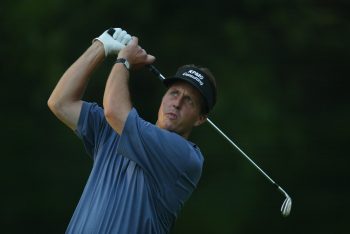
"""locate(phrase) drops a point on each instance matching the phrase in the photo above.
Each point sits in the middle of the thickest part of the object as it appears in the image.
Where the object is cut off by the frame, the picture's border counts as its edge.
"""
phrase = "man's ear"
(201, 119)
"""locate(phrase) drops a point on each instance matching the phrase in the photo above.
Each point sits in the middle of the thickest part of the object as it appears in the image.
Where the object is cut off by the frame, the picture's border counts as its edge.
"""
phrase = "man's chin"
(170, 128)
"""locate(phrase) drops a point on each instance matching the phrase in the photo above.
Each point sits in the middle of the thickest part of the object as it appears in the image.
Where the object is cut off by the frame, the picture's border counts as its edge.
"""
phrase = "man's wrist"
(98, 46)
(123, 61)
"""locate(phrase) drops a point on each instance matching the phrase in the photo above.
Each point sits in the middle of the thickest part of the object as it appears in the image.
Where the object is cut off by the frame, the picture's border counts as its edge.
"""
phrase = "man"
(142, 173)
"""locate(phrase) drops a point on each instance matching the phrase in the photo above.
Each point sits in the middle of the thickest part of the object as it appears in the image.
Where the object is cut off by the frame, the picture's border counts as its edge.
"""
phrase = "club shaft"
(242, 152)
(247, 157)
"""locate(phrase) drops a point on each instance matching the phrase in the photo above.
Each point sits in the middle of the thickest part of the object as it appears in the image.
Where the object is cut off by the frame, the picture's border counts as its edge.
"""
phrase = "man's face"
(180, 109)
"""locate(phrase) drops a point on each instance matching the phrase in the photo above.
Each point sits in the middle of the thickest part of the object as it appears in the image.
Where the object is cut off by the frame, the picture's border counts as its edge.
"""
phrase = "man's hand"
(135, 55)
(114, 43)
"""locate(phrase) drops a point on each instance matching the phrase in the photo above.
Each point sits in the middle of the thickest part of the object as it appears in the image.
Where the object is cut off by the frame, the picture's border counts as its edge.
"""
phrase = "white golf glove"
(113, 40)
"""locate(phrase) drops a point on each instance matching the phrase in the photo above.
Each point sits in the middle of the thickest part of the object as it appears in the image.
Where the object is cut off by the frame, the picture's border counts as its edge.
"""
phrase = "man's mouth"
(171, 116)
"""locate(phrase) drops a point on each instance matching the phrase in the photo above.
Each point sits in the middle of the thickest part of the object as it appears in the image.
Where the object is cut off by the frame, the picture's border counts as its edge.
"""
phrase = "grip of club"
(150, 67)
(155, 71)
(111, 31)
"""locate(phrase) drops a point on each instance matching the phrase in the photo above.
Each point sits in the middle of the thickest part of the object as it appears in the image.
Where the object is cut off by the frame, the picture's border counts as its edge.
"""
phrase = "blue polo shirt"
(139, 180)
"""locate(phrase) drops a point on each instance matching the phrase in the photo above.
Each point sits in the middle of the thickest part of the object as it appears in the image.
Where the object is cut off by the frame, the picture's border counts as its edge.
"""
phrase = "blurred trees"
(281, 68)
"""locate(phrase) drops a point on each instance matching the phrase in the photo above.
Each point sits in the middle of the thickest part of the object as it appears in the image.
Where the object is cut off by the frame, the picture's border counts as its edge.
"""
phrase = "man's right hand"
(135, 55)
(114, 43)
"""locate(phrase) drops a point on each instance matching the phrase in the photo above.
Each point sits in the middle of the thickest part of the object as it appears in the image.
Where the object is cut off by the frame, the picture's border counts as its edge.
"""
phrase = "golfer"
(142, 173)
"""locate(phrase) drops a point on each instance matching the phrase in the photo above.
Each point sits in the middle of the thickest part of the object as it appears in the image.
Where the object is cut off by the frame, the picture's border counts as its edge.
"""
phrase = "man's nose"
(177, 102)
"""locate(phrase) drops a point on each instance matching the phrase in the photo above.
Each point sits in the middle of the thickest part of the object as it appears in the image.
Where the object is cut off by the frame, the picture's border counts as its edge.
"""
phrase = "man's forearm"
(65, 100)
(116, 99)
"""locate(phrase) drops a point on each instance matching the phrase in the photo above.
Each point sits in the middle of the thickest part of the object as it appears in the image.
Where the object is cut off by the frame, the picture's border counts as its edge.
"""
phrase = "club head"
(286, 206)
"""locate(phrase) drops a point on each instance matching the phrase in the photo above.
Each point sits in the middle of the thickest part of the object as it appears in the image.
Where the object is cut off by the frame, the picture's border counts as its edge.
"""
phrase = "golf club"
(287, 204)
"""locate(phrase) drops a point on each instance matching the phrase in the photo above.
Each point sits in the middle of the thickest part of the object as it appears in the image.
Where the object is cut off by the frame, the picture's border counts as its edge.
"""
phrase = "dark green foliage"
(281, 69)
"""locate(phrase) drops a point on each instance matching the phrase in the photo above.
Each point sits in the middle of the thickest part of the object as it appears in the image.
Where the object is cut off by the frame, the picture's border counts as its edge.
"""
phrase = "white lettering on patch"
(194, 75)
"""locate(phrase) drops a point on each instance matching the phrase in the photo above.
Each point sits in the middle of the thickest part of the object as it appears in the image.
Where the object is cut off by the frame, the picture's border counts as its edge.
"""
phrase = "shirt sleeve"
(90, 123)
(164, 155)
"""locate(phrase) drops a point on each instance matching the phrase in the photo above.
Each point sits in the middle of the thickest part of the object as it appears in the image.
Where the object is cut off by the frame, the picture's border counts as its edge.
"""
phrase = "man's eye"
(174, 93)
(189, 100)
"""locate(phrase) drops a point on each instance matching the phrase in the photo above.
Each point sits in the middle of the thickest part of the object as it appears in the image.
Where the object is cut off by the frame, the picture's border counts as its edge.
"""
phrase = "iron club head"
(286, 206)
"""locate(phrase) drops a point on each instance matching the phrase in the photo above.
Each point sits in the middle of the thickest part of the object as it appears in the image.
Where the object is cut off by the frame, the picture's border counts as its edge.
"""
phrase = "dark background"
(281, 68)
